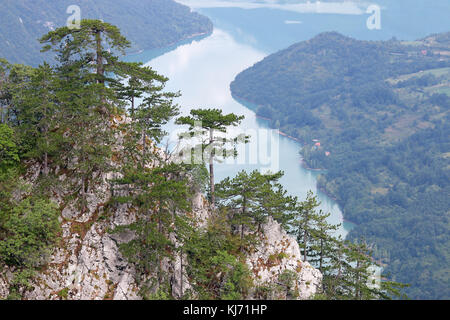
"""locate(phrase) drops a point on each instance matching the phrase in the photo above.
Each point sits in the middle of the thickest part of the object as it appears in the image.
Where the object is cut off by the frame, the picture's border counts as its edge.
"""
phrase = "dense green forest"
(375, 115)
(53, 115)
(147, 23)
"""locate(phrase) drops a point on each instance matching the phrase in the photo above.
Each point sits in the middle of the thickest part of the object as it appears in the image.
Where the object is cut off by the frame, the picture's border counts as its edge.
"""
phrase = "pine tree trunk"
(159, 217)
(83, 193)
(46, 129)
(244, 209)
(46, 163)
(46, 153)
(181, 273)
(211, 171)
(304, 247)
(338, 276)
(357, 293)
(144, 145)
(100, 71)
(305, 239)
(211, 182)
(321, 255)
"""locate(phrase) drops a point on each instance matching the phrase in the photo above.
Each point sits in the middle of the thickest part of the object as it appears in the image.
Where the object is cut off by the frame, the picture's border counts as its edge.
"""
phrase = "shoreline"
(303, 163)
(305, 166)
(172, 44)
(263, 118)
(324, 191)
(247, 103)
(288, 136)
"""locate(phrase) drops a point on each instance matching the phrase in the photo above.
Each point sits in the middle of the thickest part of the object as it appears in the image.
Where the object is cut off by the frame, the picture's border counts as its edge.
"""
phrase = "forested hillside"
(147, 23)
(376, 116)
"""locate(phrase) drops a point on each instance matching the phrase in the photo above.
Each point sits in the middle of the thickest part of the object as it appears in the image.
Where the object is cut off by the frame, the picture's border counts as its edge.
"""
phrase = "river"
(245, 32)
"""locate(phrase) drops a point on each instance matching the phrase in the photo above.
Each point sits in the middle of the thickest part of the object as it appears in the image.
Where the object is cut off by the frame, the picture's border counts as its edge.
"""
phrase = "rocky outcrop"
(87, 264)
(278, 252)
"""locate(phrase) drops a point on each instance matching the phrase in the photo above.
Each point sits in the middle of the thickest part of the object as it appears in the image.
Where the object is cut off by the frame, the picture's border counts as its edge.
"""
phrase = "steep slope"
(375, 115)
(147, 23)
(88, 265)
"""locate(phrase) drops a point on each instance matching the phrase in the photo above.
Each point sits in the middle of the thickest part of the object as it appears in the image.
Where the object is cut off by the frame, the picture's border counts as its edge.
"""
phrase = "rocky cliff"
(88, 265)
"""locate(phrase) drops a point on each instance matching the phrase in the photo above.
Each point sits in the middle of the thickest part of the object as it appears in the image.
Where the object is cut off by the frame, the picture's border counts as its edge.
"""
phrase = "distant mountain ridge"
(147, 24)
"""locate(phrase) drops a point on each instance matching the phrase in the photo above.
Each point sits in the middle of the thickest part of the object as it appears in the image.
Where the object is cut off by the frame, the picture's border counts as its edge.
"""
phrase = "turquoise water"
(203, 68)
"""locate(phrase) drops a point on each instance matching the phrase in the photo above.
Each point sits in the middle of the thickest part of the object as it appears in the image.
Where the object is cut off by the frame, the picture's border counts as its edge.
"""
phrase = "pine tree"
(85, 47)
(303, 224)
(275, 201)
(9, 156)
(155, 111)
(15, 91)
(239, 195)
(349, 274)
(334, 281)
(162, 196)
(134, 81)
(87, 64)
(216, 266)
(9, 170)
(360, 275)
(27, 236)
(252, 198)
(4, 94)
(204, 124)
(322, 241)
(39, 116)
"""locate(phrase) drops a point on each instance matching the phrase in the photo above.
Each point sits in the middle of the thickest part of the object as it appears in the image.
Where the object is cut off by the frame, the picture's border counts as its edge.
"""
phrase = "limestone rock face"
(89, 266)
(277, 252)
(3, 285)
